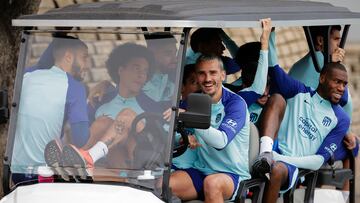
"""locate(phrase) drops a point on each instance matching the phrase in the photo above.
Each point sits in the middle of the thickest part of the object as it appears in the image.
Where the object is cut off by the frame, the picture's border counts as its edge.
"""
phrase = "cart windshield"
(92, 107)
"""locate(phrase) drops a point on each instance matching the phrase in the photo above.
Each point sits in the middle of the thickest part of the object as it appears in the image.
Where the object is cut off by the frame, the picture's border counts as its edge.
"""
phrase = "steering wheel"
(150, 141)
(179, 150)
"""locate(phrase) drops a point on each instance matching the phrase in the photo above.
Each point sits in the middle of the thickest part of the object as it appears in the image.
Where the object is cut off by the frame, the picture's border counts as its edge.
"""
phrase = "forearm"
(213, 137)
(261, 74)
(311, 162)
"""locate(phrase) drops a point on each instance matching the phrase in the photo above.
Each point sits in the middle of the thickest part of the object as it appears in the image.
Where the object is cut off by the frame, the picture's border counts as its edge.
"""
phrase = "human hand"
(193, 143)
(350, 141)
(263, 164)
(97, 93)
(266, 30)
(167, 113)
(338, 55)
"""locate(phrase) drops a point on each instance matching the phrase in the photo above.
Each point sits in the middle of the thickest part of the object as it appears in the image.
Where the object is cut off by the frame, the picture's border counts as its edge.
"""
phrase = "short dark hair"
(61, 44)
(188, 70)
(201, 36)
(331, 66)
(205, 57)
(248, 73)
(249, 52)
(322, 30)
(121, 55)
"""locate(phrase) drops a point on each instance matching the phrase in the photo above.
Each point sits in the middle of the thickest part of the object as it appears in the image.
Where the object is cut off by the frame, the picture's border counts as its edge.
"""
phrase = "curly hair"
(121, 55)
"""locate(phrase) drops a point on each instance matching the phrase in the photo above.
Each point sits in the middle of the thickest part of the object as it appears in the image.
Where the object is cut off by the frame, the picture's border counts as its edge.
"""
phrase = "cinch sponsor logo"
(326, 121)
(307, 128)
(253, 117)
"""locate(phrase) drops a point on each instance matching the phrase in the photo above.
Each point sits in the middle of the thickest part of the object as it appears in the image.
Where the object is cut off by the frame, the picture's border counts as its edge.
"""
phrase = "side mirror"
(4, 111)
(198, 113)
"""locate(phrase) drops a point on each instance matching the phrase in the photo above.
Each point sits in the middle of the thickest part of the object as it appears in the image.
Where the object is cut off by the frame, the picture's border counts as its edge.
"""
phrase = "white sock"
(98, 151)
(266, 144)
(345, 195)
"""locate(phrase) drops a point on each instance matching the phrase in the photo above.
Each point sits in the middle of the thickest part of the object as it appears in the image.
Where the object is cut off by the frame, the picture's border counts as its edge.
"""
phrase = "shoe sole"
(74, 162)
(52, 155)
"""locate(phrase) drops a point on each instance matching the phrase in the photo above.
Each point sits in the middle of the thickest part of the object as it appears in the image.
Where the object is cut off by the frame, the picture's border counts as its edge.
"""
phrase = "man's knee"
(125, 118)
(212, 184)
(215, 185)
(279, 172)
(181, 185)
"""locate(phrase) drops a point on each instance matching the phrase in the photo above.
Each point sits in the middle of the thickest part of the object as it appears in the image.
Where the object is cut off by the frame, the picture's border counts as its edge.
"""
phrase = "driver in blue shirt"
(222, 154)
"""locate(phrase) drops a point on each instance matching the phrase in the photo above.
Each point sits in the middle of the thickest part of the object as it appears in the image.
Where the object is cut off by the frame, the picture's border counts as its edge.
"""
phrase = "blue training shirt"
(311, 124)
(49, 98)
(230, 120)
(304, 71)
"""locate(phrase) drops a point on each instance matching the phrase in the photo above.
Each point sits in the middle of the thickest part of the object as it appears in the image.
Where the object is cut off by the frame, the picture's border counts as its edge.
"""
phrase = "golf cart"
(103, 26)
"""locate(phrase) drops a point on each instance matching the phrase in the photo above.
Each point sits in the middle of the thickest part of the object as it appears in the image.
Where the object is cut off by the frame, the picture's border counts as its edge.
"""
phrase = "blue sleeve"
(80, 133)
(282, 83)
(76, 106)
(230, 65)
(334, 139)
(183, 104)
(235, 117)
(250, 97)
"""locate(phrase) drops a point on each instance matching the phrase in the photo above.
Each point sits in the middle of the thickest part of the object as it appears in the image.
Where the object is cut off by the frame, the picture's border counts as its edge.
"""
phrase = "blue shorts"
(293, 173)
(198, 177)
(20, 178)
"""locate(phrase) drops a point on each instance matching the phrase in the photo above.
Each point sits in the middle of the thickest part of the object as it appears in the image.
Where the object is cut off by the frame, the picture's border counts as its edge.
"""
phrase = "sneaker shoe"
(78, 159)
(53, 158)
(262, 165)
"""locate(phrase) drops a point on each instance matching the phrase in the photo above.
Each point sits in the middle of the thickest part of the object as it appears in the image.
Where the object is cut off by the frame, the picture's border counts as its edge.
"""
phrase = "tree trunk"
(9, 46)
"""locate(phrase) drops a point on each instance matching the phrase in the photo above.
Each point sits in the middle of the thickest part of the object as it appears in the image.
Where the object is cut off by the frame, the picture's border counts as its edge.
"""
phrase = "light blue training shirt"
(49, 98)
(304, 71)
(311, 125)
(225, 145)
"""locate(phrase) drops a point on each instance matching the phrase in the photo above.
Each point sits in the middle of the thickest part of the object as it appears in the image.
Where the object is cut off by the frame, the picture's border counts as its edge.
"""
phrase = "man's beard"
(76, 71)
